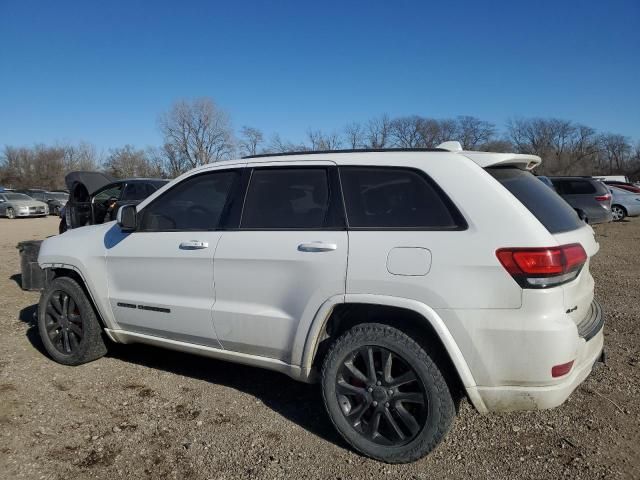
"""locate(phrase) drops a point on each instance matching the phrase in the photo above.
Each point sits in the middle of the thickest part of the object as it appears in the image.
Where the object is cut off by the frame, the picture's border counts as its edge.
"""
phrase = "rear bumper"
(599, 215)
(508, 398)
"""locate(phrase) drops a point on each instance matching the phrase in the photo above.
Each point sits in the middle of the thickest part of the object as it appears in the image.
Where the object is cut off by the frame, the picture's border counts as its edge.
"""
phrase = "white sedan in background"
(624, 204)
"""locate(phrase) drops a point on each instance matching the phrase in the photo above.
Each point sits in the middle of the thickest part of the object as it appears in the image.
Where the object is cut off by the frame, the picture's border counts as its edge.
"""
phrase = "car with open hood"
(96, 197)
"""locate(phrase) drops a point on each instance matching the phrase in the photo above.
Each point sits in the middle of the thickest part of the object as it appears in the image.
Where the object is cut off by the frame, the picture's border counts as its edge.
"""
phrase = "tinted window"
(395, 198)
(135, 191)
(546, 205)
(194, 204)
(287, 198)
(111, 192)
(575, 187)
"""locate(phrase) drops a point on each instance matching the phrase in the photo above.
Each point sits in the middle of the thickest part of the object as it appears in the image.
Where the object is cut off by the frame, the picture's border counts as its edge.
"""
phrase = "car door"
(3, 205)
(161, 275)
(288, 257)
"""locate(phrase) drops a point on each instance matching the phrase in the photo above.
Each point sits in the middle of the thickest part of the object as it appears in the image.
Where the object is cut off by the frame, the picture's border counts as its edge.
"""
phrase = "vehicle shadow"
(28, 316)
(298, 402)
(17, 277)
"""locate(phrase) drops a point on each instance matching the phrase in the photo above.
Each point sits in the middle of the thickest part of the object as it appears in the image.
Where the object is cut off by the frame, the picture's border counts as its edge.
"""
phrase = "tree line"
(198, 132)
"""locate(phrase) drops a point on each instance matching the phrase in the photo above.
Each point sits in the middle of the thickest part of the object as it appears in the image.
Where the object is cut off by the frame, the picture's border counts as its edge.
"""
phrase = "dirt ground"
(143, 412)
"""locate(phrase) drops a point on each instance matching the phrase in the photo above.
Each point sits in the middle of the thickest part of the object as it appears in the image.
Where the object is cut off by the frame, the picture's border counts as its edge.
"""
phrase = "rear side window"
(287, 198)
(195, 204)
(575, 187)
(545, 204)
(388, 198)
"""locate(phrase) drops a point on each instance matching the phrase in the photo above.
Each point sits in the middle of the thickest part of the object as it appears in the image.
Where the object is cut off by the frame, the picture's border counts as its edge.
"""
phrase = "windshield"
(17, 196)
(543, 202)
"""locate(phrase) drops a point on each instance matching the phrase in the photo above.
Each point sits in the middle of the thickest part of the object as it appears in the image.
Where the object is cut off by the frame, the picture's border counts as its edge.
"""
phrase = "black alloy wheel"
(68, 324)
(385, 395)
(63, 322)
(381, 396)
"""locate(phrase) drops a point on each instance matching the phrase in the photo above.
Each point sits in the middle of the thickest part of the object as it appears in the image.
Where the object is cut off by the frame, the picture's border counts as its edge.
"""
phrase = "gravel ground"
(143, 412)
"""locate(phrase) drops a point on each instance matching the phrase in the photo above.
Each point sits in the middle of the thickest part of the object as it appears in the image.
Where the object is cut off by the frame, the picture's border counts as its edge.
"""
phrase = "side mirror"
(127, 218)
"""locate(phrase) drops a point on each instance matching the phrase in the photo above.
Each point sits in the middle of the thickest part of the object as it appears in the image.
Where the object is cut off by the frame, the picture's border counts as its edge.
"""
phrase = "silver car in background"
(589, 197)
(13, 205)
(624, 203)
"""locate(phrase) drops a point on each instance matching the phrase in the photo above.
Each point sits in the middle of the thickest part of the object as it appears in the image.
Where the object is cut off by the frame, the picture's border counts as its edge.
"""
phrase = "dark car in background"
(589, 197)
(95, 197)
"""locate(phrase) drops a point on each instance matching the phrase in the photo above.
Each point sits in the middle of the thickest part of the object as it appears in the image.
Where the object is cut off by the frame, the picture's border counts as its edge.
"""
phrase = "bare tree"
(406, 132)
(198, 132)
(278, 145)
(379, 132)
(321, 141)
(250, 141)
(128, 162)
(81, 157)
(43, 166)
(354, 135)
(616, 151)
(472, 132)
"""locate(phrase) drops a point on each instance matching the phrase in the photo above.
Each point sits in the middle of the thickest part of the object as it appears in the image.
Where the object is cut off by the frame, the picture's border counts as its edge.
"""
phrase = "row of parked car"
(32, 202)
(93, 198)
(597, 201)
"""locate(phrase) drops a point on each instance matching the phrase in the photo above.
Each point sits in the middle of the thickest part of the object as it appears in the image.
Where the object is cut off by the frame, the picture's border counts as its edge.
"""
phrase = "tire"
(618, 213)
(56, 211)
(11, 213)
(69, 329)
(360, 408)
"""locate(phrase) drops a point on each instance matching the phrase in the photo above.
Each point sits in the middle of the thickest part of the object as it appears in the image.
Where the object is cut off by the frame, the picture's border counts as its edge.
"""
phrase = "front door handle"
(194, 245)
(317, 247)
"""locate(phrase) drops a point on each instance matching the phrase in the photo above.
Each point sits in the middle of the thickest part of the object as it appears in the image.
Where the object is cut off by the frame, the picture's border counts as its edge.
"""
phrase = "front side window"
(388, 197)
(105, 195)
(196, 204)
(287, 198)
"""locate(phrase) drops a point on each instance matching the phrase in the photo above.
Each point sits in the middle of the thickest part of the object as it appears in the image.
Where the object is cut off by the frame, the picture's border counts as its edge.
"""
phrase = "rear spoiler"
(489, 159)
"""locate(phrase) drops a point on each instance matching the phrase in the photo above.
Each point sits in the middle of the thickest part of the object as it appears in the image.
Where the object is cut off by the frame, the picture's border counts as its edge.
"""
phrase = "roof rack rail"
(352, 150)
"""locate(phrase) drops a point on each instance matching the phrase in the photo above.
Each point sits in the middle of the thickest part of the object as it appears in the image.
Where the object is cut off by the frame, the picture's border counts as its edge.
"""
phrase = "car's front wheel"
(68, 326)
(618, 213)
(11, 213)
(385, 395)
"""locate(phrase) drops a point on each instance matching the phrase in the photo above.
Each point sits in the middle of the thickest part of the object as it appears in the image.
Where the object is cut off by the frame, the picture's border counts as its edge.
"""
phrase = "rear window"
(545, 204)
(575, 187)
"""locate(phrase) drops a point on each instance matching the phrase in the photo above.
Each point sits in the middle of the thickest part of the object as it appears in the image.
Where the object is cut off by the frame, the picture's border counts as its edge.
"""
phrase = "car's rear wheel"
(618, 213)
(11, 213)
(68, 326)
(385, 395)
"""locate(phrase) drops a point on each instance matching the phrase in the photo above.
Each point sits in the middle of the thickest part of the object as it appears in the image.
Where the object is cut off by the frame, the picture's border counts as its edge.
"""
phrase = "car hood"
(27, 203)
(93, 181)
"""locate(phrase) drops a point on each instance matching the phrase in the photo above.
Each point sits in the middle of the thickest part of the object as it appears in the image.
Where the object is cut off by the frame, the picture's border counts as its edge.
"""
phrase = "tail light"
(543, 267)
(604, 198)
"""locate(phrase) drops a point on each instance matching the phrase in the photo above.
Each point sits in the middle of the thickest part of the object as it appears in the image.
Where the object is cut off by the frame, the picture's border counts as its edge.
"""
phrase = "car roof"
(141, 179)
(345, 157)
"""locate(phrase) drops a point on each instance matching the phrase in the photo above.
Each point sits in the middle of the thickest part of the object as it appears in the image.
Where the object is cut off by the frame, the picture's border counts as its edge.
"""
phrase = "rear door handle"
(317, 247)
(194, 245)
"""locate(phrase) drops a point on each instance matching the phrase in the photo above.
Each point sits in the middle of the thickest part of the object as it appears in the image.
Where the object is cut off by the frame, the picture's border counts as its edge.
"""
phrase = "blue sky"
(103, 71)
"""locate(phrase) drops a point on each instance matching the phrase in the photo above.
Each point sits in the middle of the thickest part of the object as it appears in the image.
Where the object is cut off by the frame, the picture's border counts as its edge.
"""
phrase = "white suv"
(399, 279)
